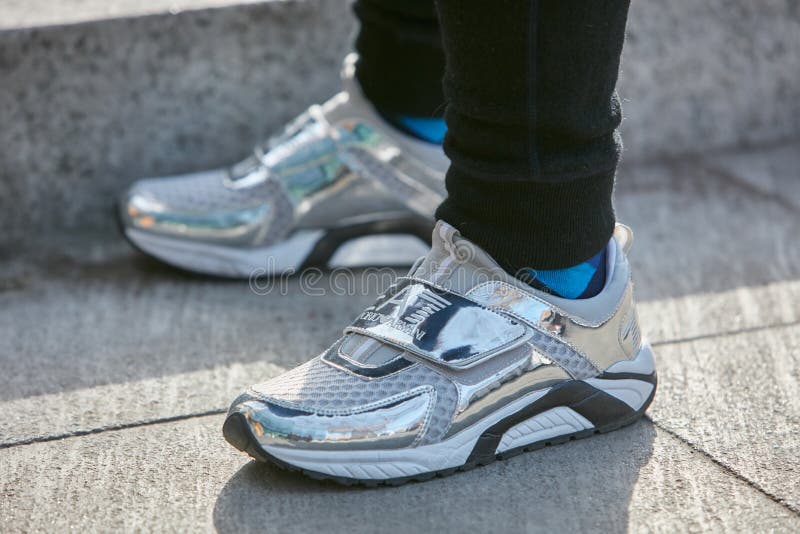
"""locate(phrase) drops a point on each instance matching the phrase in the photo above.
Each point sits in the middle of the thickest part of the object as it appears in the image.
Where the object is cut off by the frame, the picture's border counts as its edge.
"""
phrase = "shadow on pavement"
(580, 485)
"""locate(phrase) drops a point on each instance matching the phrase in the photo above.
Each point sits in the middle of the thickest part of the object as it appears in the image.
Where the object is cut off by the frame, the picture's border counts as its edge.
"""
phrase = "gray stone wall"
(85, 108)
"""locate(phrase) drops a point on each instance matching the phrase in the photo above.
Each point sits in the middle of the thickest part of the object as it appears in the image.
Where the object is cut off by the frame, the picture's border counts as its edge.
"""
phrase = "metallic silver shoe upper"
(336, 164)
(450, 343)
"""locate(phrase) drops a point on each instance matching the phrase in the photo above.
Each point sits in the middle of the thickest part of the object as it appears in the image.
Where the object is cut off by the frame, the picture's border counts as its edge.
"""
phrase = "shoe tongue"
(457, 263)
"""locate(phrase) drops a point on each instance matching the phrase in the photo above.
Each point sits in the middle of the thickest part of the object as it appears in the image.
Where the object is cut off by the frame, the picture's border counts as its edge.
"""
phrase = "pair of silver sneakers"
(456, 365)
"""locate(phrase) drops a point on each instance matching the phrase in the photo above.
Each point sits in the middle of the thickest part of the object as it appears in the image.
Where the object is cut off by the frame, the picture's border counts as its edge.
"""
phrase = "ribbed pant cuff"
(531, 224)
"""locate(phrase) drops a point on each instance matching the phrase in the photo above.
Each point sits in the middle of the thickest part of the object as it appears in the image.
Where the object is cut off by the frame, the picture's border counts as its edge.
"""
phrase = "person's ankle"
(581, 281)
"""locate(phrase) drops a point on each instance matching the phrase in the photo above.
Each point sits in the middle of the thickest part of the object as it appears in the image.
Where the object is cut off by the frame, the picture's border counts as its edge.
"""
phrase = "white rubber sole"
(228, 261)
(455, 451)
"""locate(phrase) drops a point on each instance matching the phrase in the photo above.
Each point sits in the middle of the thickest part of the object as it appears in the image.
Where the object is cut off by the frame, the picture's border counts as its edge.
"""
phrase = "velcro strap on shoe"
(438, 325)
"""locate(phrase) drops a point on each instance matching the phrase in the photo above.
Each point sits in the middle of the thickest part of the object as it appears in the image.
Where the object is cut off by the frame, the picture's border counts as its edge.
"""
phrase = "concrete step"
(95, 94)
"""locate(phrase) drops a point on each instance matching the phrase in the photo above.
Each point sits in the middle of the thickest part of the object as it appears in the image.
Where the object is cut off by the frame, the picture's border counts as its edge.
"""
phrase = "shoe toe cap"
(394, 423)
(196, 207)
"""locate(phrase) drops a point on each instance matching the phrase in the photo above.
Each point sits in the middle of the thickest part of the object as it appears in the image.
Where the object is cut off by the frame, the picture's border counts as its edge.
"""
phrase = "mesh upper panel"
(572, 362)
(202, 192)
(318, 387)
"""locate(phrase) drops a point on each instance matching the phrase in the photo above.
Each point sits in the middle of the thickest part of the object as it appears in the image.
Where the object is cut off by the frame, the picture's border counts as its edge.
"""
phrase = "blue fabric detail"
(427, 129)
(581, 281)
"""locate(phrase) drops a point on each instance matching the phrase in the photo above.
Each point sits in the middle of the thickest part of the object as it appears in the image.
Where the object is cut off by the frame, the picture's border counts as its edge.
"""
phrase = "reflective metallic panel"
(501, 295)
(438, 325)
(394, 425)
(535, 378)
(469, 393)
(607, 343)
(616, 338)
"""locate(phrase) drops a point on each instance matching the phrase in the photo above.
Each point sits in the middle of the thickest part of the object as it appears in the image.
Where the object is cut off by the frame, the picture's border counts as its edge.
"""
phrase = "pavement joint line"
(746, 187)
(719, 151)
(747, 330)
(112, 428)
(218, 411)
(725, 467)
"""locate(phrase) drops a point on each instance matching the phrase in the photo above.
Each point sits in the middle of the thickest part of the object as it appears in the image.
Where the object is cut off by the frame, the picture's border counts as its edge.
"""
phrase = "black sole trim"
(588, 403)
(397, 364)
(600, 408)
(652, 378)
(334, 238)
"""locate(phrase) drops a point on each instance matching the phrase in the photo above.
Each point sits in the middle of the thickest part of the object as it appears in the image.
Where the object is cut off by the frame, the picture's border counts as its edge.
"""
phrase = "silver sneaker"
(456, 365)
(337, 172)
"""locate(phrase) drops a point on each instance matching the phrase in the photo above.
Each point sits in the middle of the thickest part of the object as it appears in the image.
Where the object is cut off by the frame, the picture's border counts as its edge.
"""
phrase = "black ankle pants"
(527, 89)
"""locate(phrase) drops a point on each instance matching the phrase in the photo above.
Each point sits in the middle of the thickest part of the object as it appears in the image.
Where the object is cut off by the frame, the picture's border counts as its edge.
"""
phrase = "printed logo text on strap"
(438, 325)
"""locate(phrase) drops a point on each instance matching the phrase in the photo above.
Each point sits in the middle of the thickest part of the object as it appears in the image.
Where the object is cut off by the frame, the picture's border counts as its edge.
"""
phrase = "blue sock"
(427, 129)
(580, 281)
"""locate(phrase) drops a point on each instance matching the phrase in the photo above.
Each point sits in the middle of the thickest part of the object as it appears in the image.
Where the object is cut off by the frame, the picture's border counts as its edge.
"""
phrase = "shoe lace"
(308, 128)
